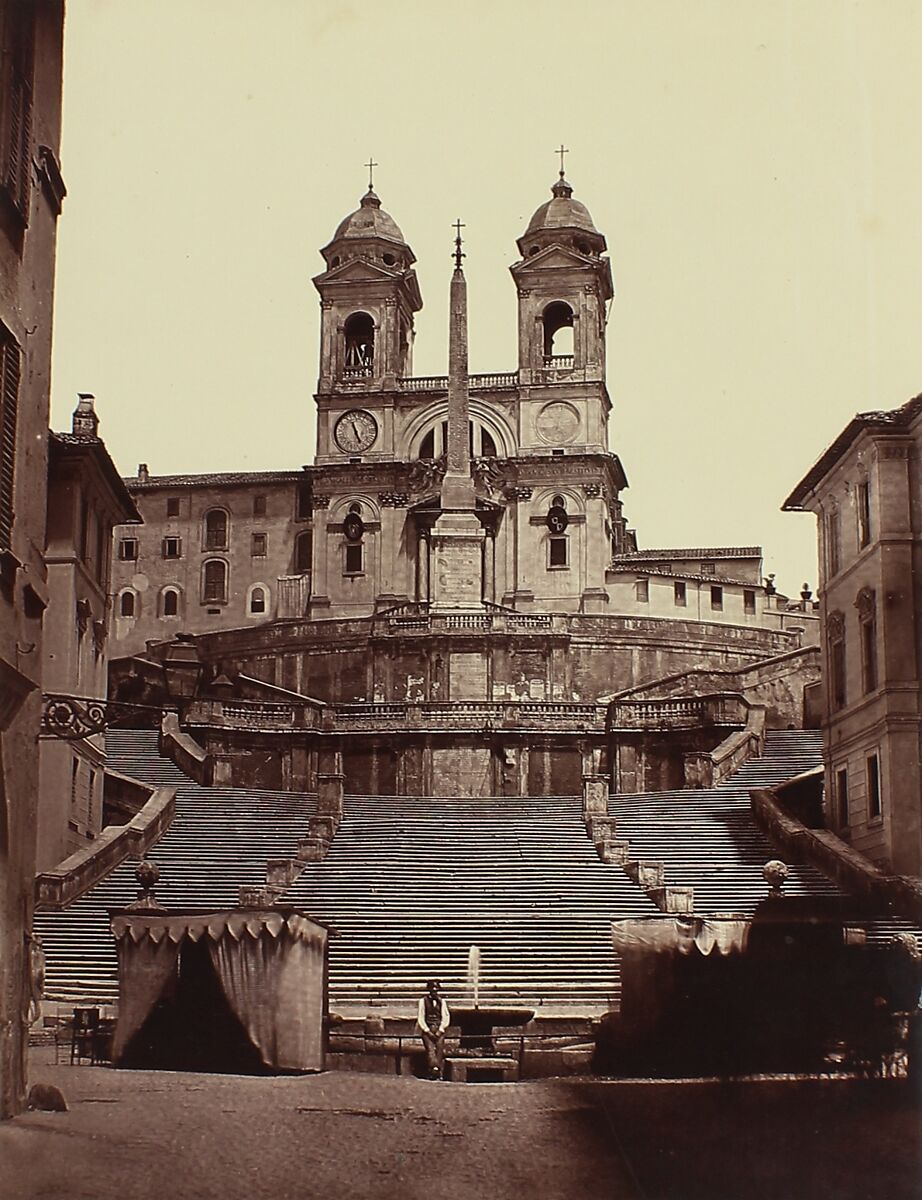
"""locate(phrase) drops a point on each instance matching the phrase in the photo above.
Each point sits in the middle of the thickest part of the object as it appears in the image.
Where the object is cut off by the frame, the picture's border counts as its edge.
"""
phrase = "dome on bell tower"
(369, 232)
(558, 217)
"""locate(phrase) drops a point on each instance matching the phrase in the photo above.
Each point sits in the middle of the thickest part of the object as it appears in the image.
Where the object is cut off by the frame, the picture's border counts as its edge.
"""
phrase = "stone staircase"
(709, 841)
(411, 883)
(219, 839)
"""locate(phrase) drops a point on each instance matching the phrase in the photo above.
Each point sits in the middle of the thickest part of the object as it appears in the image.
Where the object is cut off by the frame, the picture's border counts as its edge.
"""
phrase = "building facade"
(86, 500)
(454, 574)
(31, 193)
(866, 491)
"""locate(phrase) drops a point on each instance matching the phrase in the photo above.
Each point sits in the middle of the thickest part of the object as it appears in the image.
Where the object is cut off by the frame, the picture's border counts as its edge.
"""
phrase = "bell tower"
(564, 283)
(368, 297)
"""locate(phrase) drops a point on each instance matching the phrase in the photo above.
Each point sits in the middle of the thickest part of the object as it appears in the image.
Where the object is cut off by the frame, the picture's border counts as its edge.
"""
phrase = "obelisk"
(457, 536)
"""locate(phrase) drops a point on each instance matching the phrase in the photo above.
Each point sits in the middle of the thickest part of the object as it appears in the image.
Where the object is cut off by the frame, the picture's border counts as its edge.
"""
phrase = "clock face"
(558, 423)
(355, 431)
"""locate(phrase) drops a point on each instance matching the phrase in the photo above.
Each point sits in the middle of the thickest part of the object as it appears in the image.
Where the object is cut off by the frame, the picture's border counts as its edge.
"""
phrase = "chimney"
(143, 473)
(84, 421)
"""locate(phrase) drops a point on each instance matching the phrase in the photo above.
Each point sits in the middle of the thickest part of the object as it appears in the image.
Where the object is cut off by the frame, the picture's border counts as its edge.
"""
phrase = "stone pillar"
(595, 797)
(330, 795)
(489, 569)
(422, 568)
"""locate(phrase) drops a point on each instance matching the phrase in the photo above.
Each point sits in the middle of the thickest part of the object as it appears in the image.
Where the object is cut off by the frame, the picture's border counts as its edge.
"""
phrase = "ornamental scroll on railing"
(76, 717)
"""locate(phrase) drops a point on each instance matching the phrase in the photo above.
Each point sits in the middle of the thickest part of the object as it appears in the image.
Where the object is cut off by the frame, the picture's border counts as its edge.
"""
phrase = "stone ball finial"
(775, 872)
(147, 874)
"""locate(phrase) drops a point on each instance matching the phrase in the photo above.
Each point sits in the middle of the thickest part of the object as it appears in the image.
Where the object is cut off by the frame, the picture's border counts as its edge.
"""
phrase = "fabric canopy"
(271, 966)
(681, 934)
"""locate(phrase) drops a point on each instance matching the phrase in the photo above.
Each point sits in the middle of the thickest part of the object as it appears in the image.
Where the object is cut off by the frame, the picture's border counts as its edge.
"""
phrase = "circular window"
(389, 259)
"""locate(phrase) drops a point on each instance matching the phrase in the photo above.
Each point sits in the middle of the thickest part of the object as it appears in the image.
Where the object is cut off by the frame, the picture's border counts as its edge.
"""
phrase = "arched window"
(481, 441)
(304, 547)
(354, 533)
(558, 333)
(169, 602)
(258, 599)
(214, 581)
(558, 548)
(216, 529)
(126, 604)
(359, 331)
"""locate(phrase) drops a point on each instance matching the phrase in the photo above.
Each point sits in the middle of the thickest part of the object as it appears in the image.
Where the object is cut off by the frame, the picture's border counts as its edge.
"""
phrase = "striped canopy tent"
(270, 964)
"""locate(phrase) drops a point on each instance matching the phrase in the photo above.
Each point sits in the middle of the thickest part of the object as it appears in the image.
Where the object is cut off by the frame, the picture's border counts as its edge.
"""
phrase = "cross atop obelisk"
(459, 253)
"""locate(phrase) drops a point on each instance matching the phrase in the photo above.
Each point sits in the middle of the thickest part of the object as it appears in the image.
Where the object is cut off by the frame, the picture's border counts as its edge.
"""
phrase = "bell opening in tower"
(359, 357)
(558, 334)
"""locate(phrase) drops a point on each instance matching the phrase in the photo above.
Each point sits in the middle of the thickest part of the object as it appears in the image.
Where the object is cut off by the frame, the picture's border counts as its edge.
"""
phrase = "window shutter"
(9, 411)
(17, 156)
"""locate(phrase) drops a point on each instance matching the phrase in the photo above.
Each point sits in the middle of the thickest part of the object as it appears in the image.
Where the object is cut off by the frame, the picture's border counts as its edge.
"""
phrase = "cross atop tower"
(459, 253)
(562, 150)
(371, 164)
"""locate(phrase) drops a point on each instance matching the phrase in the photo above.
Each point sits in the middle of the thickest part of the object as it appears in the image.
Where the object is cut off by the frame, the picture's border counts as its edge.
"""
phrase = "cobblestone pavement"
(137, 1135)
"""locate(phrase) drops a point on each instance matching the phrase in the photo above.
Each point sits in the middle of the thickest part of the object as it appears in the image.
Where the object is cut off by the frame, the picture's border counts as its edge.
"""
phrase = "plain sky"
(755, 167)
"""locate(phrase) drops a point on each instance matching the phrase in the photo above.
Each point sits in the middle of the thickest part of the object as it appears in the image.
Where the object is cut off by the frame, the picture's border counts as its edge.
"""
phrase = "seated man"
(433, 1019)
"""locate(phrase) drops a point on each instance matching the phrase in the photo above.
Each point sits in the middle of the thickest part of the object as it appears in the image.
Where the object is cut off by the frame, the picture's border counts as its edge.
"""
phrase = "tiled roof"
(213, 479)
(70, 443)
(683, 553)
(634, 567)
(891, 421)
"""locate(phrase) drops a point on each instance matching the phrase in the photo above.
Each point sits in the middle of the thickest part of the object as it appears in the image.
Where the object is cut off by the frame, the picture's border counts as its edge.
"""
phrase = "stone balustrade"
(682, 712)
(85, 867)
(544, 716)
(254, 714)
(477, 383)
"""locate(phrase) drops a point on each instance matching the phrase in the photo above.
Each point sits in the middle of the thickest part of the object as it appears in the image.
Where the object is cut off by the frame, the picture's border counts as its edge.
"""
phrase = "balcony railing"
(477, 383)
(684, 712)
(252, 714)
(495, 715)
(559, 362)
(365, 371)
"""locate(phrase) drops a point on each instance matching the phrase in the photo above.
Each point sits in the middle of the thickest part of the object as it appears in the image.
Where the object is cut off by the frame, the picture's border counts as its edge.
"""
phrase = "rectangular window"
(557, 552)
(74, 772)
(258, 545)
(708, 568)
(869, 654)
(259, 506)
(128, 549)
(642, 591)
(353, 562)
(16, 156)
(863, 503)
(749, 602)
(172, 547)
(717, 598)
(681, 596)
(10, 361)
(875, 807)
(833, 542)
(172, 506)
(842, 796)
(837, 672)
(305, 501)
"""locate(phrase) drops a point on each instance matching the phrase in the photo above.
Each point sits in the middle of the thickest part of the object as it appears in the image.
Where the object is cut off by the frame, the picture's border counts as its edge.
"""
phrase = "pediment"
(360, 270)
(556, 257)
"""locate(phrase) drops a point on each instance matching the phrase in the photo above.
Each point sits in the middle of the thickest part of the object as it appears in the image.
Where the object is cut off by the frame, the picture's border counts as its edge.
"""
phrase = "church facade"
(459, 541)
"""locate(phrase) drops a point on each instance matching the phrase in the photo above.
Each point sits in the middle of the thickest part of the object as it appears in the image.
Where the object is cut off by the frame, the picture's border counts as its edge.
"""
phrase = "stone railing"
(417, 618)
(705, 769)
(559, 362)
(85, 867)
(184, 751)
(837, 860)
(683, 712)
(476, 383)
(549, 716)
(253, 714)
